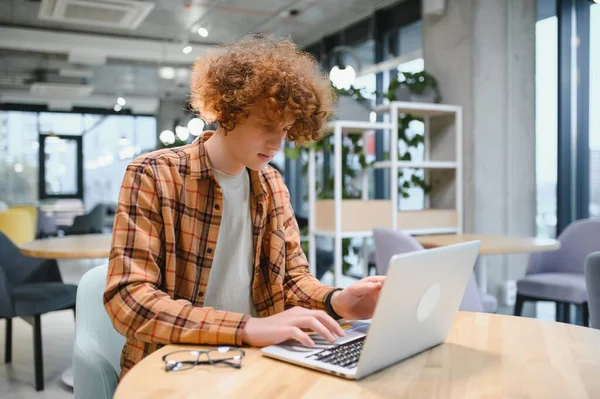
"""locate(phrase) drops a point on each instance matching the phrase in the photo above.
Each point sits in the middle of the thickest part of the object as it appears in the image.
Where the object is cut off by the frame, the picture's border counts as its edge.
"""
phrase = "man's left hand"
(358, 300)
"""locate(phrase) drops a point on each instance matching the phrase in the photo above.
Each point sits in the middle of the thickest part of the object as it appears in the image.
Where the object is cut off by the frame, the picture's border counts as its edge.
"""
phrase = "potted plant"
(415, 87)
(351, 104)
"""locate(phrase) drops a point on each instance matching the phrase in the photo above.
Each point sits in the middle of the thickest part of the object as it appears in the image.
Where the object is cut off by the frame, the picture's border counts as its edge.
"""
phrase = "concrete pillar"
(169, 110)
(482, 53)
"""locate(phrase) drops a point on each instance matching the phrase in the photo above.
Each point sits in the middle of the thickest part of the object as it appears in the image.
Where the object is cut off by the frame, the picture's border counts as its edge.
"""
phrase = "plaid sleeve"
(132, 298)
(300, 287)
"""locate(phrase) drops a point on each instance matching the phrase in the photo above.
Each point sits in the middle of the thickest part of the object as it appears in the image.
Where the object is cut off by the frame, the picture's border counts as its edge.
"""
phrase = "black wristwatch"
(328, 306)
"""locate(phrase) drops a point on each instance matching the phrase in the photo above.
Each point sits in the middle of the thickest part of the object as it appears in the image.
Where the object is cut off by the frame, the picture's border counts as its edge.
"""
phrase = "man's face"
(256, 139)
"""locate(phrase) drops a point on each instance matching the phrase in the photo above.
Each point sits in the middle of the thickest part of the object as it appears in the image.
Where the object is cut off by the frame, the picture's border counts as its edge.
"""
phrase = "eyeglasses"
(186, 359)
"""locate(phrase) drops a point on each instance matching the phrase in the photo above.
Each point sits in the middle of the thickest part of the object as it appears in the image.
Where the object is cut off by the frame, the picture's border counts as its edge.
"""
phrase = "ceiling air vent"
(122, 14)
(60, 90)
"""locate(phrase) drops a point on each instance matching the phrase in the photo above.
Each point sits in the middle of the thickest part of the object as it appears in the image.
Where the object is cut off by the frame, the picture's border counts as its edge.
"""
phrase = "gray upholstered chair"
(592, 282)
(30, 287)
(90, 223)
(98, 346)
(389, 242)
(558, 276)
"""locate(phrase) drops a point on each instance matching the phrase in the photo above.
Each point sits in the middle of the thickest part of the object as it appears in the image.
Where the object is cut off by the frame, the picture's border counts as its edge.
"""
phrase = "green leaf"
(362, 160)
(292, 152)
(406, 156)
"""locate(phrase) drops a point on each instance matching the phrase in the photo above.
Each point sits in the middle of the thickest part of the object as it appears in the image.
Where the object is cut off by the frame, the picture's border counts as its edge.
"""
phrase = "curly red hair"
(227, 81)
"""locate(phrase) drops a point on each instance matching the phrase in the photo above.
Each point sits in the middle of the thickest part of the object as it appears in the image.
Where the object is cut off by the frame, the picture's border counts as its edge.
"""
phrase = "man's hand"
(291, 324)
(358, 301)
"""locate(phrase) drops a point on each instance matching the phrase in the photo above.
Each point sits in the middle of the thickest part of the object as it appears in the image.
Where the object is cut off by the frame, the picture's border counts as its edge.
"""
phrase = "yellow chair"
(33, 212)
(17, 225)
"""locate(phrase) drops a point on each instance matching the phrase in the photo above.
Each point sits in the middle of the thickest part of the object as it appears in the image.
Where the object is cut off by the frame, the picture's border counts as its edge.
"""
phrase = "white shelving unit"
(341, 219)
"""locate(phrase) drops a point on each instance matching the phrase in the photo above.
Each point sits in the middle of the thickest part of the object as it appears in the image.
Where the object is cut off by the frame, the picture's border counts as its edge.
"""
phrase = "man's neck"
(220, 156)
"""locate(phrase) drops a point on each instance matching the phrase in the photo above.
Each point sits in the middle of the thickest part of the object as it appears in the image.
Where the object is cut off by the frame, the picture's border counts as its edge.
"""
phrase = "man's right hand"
(291, 324)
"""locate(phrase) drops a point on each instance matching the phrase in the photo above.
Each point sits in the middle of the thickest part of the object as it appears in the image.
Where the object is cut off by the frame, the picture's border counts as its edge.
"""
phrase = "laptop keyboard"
(344, 355)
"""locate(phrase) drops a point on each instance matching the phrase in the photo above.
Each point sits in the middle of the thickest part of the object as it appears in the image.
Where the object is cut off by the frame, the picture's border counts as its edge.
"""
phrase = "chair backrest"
(577, 241)
(33, 213)
(592, 282)
(7, 309)
(17, 269)
(92, 222)
(98, 346)
(16, 266)
(389, 242)
(472, 301)
(17, 225)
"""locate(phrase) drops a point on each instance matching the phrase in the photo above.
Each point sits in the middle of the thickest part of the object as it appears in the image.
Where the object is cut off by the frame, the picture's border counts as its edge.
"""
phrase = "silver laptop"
(415, 312)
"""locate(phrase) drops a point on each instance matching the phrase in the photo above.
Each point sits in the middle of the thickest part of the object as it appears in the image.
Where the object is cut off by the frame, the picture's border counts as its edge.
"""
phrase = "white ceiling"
(126, 61)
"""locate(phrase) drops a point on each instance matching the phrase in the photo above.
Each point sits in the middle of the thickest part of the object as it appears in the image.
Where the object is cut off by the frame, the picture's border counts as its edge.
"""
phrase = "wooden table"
(485, 355)
(70, 247)
(491, 244)
(85, 246)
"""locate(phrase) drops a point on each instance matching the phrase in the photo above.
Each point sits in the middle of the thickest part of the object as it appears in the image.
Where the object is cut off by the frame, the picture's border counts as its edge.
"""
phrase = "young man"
(206, 249)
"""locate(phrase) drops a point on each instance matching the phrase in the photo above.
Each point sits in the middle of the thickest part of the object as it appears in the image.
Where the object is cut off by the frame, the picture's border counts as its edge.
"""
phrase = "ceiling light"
(342, 78)
(187, 49)
(117, 108)
(123, 141)
(166, 72)
(182, 132)
(195, 126)
(19, 168)
(121, 101)
(203, 32)
(167, 137)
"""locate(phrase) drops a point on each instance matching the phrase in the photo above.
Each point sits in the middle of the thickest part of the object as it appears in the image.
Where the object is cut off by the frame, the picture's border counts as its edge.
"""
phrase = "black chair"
(90, 223)
(30, 287)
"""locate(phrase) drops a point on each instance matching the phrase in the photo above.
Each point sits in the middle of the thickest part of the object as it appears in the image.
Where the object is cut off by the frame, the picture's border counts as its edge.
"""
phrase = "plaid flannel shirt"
(164, 238)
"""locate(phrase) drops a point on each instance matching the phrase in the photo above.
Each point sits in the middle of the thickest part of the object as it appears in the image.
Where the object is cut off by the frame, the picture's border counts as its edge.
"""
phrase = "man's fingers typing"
(374, 279)
(301, 336)
(312, 323)
(329, 322)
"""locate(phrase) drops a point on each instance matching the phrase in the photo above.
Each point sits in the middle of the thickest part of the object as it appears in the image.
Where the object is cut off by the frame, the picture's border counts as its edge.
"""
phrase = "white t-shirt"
(231, 273)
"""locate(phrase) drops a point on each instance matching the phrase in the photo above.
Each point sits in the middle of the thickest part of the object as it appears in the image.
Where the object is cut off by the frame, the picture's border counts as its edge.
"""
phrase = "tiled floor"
(17, 379)
(58, 331)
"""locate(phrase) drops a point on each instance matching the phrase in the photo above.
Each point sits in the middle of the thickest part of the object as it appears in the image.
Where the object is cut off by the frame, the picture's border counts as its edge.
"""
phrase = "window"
(546, 105)
(594, 130)
(366, 83)
(410, 38)
(109, 143)
(567, 87)
(18, 157)
(60, 171)
(60, 123)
